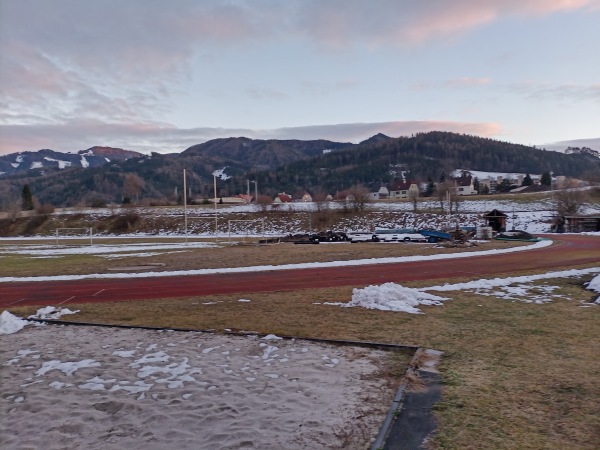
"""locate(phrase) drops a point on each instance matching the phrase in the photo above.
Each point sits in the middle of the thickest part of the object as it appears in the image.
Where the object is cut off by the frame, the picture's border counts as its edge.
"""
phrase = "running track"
(567, 251)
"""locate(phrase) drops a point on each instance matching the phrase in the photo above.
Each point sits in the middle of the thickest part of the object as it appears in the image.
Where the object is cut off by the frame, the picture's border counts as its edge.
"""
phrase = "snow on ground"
(10, 323)
(531, 216)
(594, 285)
(540, 244)
(394, 297)
(391, 297)
(100, 249)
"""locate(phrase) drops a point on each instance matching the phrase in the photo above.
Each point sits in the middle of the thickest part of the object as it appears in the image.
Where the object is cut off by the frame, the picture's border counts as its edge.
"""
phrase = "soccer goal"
(245, 229)
(71, 233)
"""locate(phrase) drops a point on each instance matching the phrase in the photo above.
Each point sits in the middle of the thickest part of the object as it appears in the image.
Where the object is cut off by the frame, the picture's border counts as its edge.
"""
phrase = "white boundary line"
(316, 265)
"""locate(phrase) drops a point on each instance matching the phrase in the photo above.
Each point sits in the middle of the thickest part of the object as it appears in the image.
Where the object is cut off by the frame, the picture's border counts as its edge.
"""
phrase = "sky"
(150, 75)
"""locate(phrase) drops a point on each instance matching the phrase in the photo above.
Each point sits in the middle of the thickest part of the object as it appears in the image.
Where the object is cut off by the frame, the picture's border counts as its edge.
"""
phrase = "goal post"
(245, 227)
(89, 232)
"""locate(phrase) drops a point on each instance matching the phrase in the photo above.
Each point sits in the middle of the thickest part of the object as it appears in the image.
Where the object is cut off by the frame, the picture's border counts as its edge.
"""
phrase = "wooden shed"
(496, 219)
(578, 224)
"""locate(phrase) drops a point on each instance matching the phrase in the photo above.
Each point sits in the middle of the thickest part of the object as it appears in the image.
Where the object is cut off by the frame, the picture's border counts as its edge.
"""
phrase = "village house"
(282, 197)
(307, 198)
(464, 185)
(381, 194)
(404, 189)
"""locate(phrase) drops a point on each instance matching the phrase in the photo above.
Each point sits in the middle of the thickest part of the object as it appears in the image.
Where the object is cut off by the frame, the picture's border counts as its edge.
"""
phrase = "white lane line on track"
(70, 298)
(16, 301)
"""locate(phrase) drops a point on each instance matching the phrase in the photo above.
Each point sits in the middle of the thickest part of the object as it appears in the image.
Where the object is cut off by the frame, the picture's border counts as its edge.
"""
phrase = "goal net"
(73, 234)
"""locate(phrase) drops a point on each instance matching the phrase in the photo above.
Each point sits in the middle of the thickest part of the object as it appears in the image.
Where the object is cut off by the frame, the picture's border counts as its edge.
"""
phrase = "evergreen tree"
(546, 179)
(26, 199)
(504, 186)
(527, 181)
(430, 189)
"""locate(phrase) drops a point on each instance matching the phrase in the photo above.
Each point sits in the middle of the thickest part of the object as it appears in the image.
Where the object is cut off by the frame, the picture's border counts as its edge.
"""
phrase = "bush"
(33, 224)
(98, 203)
(44, 209)
(125, 222)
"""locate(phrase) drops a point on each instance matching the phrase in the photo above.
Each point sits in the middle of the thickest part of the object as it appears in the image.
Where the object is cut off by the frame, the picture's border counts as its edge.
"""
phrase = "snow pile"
(50, 312)
(271, 337)
(594, 285)
(392, 297)
(10, 323)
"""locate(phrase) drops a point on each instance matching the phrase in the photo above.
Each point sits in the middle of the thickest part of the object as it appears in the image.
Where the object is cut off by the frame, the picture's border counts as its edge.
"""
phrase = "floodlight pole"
(255, 191)
(185, 206)
(215, 202)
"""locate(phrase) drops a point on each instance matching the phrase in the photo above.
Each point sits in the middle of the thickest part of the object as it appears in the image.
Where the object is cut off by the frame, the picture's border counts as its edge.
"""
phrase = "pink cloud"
(340, 23)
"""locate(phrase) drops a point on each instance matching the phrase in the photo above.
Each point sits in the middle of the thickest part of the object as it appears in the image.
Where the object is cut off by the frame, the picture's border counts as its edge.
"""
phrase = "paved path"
(567, 251)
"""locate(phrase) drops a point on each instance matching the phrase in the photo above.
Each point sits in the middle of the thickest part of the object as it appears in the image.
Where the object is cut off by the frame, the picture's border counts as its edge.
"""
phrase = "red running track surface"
(567, 251)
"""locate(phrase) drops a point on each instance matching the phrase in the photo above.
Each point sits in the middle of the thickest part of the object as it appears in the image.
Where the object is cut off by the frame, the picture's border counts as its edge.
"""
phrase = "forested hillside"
(379, 160)
(421, 157)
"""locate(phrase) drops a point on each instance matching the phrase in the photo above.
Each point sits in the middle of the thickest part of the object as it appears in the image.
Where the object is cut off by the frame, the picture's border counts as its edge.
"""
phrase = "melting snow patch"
(271, 337)
(517, 288)
(10, 323)
(150, 358)
(594, 285)
(68, 368)
(50, 312)
(124, 353)
(391, 297)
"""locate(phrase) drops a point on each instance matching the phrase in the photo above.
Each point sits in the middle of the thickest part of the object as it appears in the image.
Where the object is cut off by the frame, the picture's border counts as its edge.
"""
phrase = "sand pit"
(103, 388)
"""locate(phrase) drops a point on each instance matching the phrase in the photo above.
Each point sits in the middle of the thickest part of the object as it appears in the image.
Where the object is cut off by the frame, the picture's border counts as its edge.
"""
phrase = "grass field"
(37, 258)
(516, 375)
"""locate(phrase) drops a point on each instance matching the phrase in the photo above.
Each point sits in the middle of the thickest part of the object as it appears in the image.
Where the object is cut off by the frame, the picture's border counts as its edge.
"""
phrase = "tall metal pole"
(185, 206)
(215, 201)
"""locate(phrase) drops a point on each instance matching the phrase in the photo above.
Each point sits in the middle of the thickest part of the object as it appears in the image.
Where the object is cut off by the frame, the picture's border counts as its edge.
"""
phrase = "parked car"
(330, 236)
(363, 237)
(402, 237)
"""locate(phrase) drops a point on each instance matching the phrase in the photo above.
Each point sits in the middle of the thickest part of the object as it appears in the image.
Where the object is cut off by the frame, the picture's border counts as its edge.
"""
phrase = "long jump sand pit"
(106, 388)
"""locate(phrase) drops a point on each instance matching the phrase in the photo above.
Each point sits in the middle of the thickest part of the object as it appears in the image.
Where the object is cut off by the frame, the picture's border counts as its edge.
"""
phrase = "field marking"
(70, 298)
(16, 301)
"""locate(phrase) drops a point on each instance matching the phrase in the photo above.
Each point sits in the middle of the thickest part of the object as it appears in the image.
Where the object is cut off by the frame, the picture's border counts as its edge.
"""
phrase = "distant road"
(567, 251)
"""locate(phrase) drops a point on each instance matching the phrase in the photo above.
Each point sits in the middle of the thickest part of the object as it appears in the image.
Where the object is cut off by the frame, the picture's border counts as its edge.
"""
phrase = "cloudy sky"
(154, 75)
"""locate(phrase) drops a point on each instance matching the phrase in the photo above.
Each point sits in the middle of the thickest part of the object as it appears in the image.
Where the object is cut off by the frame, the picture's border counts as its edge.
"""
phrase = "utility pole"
(185, 206)
(215, 201)
(255, 191)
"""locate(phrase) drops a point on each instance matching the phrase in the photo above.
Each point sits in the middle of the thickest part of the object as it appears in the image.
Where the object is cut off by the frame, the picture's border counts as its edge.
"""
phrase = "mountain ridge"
(283, 165)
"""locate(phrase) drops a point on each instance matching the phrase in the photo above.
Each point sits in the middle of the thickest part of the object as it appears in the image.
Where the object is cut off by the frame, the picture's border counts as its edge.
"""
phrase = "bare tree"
(445, 191)
(263, 202)
(414, 198)
(569, 199)
(132, 186)
(359, 197)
